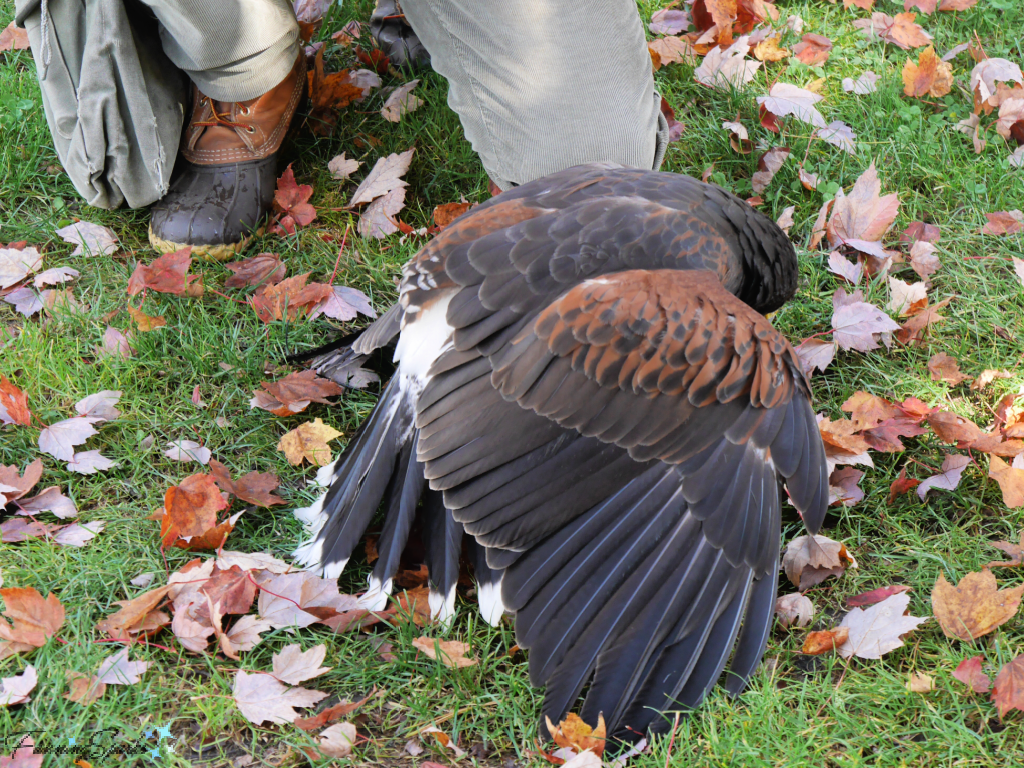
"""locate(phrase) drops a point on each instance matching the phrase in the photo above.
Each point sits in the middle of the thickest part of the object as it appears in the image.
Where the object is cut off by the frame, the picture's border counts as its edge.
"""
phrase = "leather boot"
(395, 37)
(227, 170)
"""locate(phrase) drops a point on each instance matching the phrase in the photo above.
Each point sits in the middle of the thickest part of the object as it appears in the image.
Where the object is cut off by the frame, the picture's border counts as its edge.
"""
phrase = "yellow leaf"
(770, 50)
(308, 441)
(975, 606)
(453, 652)
(146, 322)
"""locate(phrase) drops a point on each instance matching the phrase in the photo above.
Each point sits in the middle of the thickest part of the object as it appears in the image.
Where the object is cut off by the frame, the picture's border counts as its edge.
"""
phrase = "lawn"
(798, 710)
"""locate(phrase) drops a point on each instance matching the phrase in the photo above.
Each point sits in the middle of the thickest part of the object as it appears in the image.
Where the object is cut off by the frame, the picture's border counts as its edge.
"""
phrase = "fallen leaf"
(815, 353)
(54, 276)
(767, 166)
(190, 508)
(26, 301)
(18, 263)
(911, 331)
(877, 630)
(166, 274)
(839, 134)
(573, 733)
(928, 77)
(291, 298)
(337, 740)
(343, 304)
(89, 239)
(1010, 124)
(824, 641)
(294, 393)
(875, 596)
(920, 683)
(728, 68)
(342, 167)
(132, 613)
(13, 405)
(76, 535)
(33, 619)
(863, 85)
(787, 99)
(672, 50)
(906, 298)
(244, 635)
(261, 269)
(794, 610)
(1010, 479)
(308, 442)
(669, 21)
(1008, 687)
(117, 670)
(300, 599)
(16, 689)
(1015, 551)
(254, 487)
(813, 50)
(945, 368)
(292, 665)
(84, 689)
(385, 176)
(859, 325)
(863, 214)
(401, 102)
(291, 204)
(58, 440)
(770, 50)
(17, 530)
(975, 606)
(843, 486)
(257, 561)
(952, 468)
(901, 485)
(452, 652)
(376, 221)
(261, 698)
(328, 92)
(809, 560)
(446, 213)
(785, 220)
(923, 259)
(14, 39)
(330, 714)
(188, 450)
(969, 673)
(985, 76)
(1003, 223)
(50, 500)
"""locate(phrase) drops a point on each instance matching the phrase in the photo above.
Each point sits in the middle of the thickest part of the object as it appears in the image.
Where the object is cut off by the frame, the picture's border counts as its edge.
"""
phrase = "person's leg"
(542, 85)
(249, 74)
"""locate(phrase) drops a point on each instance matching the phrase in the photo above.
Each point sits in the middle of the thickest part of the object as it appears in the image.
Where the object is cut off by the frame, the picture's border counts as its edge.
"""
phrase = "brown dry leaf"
(214, 538)
(923, 259)
(33, 619)
(1010, 479)
(809, 560)
(13, 406)
(862, 216)
(770, 50)
(988, 376)
(877, 630)
(788, 99)
(84, 689)
(342, 167)
(824, 641)
(232, 589)
(16, 690)
(1003, 223)
(945, 368)
(1008, 687)
(166, 274)
(767, 166)
(907, 298)
(928, 77)
(146, 322)
(949, 478)
(338, 740)
(377, 220)
(254, 487)
(453, 653)
(20, 484)
(446, 213)
(133, 613)
(875, 596)
(813, 50)
(975, 606)
(117, 670)
(261, 698)
(906, 34)
(13, 39)
(301, 598)
(263, 268)
(385, 176)
(291, 298)
(911, 331)
(573, 733)
(327, 94)
(330, 714)
(969, 673)
(295, 392)
(308, 442)
(920, 683)
(672, 50)
(292, 665)
(867, 410)
(400, 102)
(859, 325)
(794, 610)
(727, 69)
(1015, 551)
(815, 353)
(190, 508)
(843, 486)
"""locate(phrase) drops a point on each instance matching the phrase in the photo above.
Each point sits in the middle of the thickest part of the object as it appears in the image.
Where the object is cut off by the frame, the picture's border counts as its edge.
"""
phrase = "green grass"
(797, 712)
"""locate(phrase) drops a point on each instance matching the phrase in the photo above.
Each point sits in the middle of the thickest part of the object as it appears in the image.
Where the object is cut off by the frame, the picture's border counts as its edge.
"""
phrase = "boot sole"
(212, 252)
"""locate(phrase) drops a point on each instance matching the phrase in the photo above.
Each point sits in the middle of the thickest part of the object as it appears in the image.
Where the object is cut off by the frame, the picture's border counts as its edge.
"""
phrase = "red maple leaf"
(291, 201)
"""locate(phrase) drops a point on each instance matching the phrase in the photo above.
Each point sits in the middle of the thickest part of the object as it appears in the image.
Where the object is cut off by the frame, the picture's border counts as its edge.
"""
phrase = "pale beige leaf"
(261, 698)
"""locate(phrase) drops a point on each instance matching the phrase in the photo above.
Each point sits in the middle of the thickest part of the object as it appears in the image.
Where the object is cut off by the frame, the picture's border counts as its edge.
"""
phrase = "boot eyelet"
(244, 111)
(250, 129)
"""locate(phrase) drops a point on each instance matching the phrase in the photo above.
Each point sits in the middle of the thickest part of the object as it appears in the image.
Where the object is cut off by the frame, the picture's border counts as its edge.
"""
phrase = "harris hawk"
(586, 385)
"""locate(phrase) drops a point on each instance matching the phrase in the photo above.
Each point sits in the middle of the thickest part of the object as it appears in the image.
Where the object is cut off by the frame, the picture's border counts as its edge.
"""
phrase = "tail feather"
(443, 539)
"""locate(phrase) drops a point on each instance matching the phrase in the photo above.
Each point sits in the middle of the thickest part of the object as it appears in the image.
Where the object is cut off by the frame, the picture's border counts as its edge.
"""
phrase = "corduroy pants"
(539, 85)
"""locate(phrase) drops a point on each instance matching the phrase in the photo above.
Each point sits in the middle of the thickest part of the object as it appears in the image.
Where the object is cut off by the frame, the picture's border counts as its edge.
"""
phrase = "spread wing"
(619, 453)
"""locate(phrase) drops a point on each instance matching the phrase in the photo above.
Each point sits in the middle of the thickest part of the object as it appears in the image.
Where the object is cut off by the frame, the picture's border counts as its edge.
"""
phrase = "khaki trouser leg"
(114, 93)
(542, 85)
